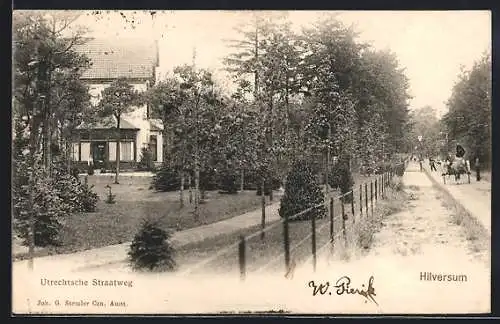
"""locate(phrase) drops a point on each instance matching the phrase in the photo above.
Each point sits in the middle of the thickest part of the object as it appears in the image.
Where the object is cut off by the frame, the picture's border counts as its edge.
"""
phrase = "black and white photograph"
(251, 162)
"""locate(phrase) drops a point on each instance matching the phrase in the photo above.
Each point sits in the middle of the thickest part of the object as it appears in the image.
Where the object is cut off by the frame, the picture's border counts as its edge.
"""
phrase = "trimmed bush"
(301, 193)
(166, 179)
(151, 249)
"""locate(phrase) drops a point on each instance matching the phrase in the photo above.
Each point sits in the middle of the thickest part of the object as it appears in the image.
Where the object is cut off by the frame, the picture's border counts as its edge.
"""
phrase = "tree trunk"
(46, 143)
(181, 192)
(118, 142)
(271, 144)
(196, 187)
(69, 154)
(327, 170)
(190, 181)
(242, 184)
(31, 183)
(263, 205)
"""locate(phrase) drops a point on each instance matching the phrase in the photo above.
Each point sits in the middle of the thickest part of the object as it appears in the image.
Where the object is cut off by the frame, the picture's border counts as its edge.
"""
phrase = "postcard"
(251, 162)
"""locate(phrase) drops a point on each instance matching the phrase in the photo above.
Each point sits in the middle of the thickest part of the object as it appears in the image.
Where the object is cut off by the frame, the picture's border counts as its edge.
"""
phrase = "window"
(112, 151)
(85, 151)
(74, 153)
(153, 147)
(126, 153)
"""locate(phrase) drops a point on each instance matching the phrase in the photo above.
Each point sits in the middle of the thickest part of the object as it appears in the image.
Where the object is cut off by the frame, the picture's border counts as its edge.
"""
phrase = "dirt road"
(427, 227)
(412, 258)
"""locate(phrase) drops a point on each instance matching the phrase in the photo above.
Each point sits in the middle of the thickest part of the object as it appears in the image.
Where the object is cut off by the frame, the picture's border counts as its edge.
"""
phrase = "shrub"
(251, 180)
(69, 190)
(301, 193)
(166, 179)
(151, 248)
(75, 172)
(396, 184)
(399, 169)
(365, 233)
(46, 206)
(88, 198)
(208, 179)
(228, 181)
(146, 162)
(90, 169)
(77, 196)
(110, 198)
(341, 177)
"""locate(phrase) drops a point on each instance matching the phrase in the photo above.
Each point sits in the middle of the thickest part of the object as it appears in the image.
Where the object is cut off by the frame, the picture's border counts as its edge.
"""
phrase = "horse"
(456, 167)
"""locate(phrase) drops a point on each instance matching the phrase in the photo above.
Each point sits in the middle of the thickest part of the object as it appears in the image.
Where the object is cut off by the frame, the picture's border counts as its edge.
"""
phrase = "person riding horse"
(457, 165)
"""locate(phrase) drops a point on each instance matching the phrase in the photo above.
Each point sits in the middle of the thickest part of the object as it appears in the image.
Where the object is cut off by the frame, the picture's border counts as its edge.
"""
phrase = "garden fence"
(317, 231)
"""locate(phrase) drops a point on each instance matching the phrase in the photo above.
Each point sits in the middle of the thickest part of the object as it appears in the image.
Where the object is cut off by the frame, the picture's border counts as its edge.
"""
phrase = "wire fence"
(292, 239)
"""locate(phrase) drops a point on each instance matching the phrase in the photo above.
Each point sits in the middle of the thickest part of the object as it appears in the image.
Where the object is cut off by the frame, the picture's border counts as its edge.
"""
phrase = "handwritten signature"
(343, 287)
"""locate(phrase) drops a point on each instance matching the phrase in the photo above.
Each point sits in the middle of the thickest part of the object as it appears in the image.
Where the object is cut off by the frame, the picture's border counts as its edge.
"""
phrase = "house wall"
(138, 117)
(159, 145)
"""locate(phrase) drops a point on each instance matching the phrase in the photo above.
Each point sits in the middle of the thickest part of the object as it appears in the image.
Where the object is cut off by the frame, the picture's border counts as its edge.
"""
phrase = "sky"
(430, 45)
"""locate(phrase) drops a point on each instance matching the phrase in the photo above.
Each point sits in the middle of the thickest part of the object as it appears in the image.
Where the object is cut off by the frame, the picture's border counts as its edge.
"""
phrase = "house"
(137, 61)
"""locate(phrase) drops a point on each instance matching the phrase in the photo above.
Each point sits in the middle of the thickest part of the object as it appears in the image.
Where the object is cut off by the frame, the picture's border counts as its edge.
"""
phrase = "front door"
(99, 154)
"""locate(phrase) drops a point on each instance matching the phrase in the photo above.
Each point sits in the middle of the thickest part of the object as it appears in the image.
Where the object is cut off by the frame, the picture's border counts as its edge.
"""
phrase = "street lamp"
(420, 151)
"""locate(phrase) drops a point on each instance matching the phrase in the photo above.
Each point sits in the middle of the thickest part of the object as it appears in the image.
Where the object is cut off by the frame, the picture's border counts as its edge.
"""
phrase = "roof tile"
(127, 58)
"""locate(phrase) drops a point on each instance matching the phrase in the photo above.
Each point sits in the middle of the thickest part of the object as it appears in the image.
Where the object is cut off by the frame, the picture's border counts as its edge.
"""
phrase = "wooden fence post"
(376, 190)
(242, 257)
(383, 185)
(344, 218)
(313, 229)
(366, 198)
(360, 200)
(352, 207)
(331, 219)
(371, 196)
(286, 242)
(263, 217)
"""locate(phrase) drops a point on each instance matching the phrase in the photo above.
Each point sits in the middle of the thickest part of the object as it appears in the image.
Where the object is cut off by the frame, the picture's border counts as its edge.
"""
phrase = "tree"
(71, 105)
(425, 123)
(118, 99)
(328, 70)
(43, 46)
(166, 99)
(468, 119)
(381, 89)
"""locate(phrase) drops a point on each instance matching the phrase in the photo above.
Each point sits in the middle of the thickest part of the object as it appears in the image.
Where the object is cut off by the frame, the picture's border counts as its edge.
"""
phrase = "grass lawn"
(118, 223)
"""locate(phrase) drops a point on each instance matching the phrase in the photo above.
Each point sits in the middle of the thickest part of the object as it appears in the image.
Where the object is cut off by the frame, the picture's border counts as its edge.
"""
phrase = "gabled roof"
(108, 122)
(111, 59)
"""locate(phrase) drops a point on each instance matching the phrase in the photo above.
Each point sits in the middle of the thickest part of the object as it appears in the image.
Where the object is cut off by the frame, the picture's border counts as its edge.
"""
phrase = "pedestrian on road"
(476, 166)
(432, 163)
